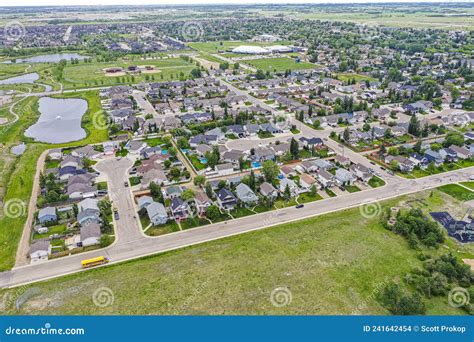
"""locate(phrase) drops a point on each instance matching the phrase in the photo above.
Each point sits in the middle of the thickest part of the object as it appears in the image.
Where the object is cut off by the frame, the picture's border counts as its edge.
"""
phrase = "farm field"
(278, 64)
(354, 255)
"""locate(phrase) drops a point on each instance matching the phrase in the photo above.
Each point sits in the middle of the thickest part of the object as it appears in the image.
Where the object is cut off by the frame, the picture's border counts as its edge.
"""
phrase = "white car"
(471, 177)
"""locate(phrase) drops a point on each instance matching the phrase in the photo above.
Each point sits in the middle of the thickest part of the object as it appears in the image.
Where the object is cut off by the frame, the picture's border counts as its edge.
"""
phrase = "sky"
(188, 2)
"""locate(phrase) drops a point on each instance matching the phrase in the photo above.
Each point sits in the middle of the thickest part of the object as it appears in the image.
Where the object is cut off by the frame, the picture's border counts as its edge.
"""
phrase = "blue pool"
(256, 164)
(203, 160)
(164, 152)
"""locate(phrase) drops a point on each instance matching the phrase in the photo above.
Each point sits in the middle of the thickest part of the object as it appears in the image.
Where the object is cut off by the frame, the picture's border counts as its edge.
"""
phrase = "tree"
(294, 148)
(208, 189)
(414, 126)
(199, 180)
(252, 181)
(316, 124)
(187, 195)
(155, 192)
(313, 191)
(260, 75)
(346, 135)
(287, 193)
(212, 212)
(453, 138)
(400, 302)
(270, 170)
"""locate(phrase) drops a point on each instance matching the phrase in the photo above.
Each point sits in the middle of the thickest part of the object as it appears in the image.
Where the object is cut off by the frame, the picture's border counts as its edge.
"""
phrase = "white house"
(39, 251)
(90, 234)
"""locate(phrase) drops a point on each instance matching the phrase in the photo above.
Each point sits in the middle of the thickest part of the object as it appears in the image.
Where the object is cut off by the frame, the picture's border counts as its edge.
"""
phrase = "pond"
(59, 122)
(52, 58)
(18, 150)
(26, 78)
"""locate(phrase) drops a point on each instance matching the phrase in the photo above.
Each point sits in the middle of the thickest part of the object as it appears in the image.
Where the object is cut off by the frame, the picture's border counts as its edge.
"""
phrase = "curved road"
(134, 244)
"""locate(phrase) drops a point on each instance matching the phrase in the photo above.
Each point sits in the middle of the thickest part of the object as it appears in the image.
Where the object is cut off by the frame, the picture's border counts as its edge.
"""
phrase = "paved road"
(309, 132)
(116, 171)
(137, 245)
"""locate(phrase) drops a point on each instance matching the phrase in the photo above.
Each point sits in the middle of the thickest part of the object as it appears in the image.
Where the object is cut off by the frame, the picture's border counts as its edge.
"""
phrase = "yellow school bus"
(94, 262)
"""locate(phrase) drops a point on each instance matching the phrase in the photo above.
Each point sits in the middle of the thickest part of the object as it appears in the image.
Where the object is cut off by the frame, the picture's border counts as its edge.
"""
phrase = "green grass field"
(332, 264)
(278, 64)
(458, 192)
(92, 74)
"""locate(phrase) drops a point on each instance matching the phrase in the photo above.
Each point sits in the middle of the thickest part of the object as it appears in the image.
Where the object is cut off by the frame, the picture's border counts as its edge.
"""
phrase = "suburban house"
(90, 234)
(306, 181)
(268, 190)
(344, 177)
(360, 171)
(39, 250)
(245, 194)
(179, 208)
(47, 214)
(294, 190)
(224, 169)
(202, 202)
(88, 212)
(325, 178)
(226, 199)
(144, 202)
(156, 213)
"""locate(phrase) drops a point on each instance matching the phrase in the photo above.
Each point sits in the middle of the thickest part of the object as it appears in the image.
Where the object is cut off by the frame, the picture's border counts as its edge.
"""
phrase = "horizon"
(111, 3)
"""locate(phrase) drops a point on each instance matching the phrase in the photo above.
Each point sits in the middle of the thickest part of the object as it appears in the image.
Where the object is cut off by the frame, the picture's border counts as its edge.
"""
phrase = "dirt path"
(24, 245)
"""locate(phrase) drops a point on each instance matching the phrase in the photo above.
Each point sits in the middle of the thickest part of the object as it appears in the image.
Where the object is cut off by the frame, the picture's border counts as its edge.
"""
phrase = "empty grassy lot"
(92, 74)
(215, 47)
(331, 264)
(278, 64)
(458, 192)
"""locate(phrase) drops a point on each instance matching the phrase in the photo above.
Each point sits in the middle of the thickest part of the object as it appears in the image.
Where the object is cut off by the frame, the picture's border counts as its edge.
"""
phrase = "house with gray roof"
(157, 213)
(39, 250)
(90, 234)
(245, 194)
(268, 190)
(344, 177)
(47, 214)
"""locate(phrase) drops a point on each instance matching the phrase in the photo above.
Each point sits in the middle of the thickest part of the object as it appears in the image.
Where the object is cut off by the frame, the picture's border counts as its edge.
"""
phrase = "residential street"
(135, 245)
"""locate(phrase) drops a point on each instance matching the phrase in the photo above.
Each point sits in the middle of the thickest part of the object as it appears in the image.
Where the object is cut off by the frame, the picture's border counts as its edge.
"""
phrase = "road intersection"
(131, 244)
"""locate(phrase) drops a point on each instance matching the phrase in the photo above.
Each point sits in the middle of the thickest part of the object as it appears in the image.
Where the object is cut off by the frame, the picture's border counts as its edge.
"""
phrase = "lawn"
(332, 264)
(241, 212)
(278, 64)
(306, 197)
(330, 192)
(170, 227)
(458, 192)
(196, 162)
(470, 185)
(352, 188)
(193, 222)
(376, 182)
(58, 229)
(348, 76)
(152, 142)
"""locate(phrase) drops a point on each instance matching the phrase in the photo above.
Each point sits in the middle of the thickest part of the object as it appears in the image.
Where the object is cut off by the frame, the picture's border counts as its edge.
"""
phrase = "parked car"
(116, 215)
